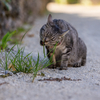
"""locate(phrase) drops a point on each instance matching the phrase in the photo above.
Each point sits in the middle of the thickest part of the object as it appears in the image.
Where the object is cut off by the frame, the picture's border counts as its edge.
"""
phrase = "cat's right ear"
(50, 19)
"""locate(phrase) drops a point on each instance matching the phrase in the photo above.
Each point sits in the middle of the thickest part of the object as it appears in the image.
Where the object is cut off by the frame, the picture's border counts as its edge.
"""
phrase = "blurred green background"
(87, 2)
(15, 13)
(66, 1)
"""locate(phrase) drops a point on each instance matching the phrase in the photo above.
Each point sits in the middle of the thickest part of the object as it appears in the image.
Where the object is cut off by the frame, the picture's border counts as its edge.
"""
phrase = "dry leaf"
(12, 67)
(30, 35)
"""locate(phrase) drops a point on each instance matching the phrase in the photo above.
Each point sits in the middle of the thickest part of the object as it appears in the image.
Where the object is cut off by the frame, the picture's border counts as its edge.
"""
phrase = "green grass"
(72, 1)
(20, 30)
(61, 1)
(5, 40)
(16, 38)
(66, 1)
(22, 63)
(19, 62)
(6, 3)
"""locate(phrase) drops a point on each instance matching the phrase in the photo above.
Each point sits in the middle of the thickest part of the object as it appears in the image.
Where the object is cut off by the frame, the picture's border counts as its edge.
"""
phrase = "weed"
(6, 3)
(5, 40)
(17, 37)
(19, 30)
(7, 58)
(19, 62)
(43, 63)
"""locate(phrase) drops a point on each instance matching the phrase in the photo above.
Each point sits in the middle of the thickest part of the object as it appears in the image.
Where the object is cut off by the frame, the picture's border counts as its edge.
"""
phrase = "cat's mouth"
(46, 43)
(43, 43)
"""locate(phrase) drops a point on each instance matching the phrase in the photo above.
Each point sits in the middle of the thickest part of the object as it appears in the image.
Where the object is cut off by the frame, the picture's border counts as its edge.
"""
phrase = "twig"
(59, 79)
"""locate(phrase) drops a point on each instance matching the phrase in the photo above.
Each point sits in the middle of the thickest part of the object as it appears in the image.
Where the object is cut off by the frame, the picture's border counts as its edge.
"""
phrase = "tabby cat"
(70, 50)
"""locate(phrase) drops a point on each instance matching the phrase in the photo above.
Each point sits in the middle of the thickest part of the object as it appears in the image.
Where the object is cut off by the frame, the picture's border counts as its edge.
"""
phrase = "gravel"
(20, 87)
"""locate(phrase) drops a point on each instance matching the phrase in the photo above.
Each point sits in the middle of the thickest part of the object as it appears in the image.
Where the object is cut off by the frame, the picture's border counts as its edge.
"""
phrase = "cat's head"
(51, 34)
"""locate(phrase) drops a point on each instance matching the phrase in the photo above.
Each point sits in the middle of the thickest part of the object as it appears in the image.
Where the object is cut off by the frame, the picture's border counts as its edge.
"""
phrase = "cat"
(70, 50)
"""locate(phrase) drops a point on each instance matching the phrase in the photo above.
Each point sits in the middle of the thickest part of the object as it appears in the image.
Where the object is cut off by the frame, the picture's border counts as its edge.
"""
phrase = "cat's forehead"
(46, 29)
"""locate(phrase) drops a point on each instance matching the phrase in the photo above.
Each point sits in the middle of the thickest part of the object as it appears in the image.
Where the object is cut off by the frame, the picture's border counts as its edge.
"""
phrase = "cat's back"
(82, 49)
(64, 25)
(61, 23)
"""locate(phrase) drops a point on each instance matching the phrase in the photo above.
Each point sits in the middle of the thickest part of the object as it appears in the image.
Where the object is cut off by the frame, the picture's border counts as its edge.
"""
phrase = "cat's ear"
(64, 33)
(50, 19)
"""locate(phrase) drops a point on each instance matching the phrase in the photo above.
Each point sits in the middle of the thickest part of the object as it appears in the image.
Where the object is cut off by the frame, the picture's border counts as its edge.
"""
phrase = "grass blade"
(44, 50)
(24, 34)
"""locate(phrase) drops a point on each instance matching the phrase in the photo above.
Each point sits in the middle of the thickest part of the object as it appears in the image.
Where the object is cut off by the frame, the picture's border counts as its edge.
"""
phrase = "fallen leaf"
(12, 67)
(30, 35)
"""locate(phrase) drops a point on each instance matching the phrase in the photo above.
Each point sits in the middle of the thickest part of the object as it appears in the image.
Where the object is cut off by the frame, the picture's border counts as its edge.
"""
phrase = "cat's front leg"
(64, 58)
(64, 62)
(52, 60)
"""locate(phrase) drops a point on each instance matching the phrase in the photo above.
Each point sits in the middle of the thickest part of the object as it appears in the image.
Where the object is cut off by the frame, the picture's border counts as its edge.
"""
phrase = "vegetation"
(72, 1)
(5, 40)
(61, 1)
(6, 3)
(19, 62)
(66, 1)
(17, 36)
(85, 2)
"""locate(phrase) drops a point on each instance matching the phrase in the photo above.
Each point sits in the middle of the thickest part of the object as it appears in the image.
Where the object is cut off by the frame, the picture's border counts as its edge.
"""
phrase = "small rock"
(6, 73)
(9, 73)
(20, 74)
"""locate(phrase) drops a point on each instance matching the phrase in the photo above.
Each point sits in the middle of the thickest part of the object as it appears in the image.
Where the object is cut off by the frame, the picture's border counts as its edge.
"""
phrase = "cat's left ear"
(50, 19)
(64, 33)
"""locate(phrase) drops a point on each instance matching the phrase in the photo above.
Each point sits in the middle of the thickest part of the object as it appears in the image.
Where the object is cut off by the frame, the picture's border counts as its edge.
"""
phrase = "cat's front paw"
(77, 64)
(63, 68)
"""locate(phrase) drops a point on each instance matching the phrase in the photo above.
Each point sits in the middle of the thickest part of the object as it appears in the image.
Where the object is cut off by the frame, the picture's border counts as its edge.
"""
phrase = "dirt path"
(87, 22)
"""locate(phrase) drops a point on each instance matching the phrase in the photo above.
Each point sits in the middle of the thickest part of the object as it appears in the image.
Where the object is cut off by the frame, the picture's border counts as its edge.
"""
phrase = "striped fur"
(70, 49)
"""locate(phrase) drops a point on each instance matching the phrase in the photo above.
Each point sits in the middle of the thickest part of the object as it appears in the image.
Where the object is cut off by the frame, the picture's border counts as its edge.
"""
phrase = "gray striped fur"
(70, 51)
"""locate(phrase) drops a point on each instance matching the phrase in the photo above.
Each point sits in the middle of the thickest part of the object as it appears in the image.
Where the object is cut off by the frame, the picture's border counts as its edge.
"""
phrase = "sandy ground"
(87, 22)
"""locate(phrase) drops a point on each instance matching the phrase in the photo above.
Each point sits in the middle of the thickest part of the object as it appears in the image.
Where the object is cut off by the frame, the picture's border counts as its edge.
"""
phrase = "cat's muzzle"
(42, 43)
